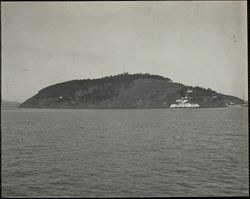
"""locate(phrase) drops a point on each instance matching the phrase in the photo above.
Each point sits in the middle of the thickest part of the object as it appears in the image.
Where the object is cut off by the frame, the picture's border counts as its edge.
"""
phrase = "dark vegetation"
(123, 91)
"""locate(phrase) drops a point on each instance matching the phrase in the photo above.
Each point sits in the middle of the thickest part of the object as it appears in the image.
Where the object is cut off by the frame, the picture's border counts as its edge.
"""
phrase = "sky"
(194, 43)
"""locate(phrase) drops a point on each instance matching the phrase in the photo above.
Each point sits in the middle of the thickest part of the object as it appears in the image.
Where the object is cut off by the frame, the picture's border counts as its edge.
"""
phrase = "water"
(152, 152)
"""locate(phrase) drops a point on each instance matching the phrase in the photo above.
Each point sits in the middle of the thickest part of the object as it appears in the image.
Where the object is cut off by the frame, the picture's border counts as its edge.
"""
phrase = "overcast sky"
(195, 43)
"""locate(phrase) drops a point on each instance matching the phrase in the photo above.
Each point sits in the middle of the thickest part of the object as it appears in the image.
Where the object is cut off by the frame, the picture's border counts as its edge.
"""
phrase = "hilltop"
(124, 91)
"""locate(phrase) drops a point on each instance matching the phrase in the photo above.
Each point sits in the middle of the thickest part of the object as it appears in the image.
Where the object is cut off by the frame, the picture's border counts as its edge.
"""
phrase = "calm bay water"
(148, 152)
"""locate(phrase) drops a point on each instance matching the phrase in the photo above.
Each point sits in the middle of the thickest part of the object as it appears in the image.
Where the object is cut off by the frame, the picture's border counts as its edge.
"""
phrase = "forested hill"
(123, 91)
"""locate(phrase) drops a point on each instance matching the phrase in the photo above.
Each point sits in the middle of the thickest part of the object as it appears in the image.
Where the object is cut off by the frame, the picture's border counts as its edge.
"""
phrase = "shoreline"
(114, 108)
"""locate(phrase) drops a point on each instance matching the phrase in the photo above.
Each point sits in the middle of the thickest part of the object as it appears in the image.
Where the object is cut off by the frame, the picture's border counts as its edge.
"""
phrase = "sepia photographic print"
(124, 99)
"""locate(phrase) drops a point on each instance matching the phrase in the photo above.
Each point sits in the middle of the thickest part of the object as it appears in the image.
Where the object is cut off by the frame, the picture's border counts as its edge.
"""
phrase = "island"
(127, 91)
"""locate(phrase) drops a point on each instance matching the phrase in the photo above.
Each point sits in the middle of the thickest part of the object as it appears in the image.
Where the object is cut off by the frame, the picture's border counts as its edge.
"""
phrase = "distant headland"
(126, 91)
(9, 104)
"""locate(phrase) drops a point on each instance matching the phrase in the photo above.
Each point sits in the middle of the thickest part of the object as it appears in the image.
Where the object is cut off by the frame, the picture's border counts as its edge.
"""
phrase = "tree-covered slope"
(123, 91)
